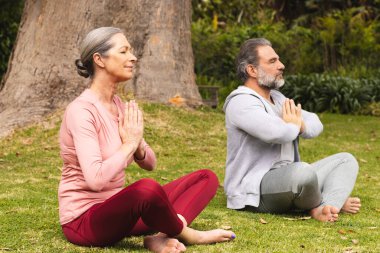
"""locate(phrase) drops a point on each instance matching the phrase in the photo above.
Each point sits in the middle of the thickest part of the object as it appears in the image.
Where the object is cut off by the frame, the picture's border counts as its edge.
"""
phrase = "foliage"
(225, 12)
(186, 140)
(320, 93)
(339, 38)
(10, 14)
(345, 40)
(350, 39)
(371, 109)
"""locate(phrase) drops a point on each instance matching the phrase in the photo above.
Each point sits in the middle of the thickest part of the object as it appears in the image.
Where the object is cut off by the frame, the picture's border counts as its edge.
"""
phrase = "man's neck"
(262, 91)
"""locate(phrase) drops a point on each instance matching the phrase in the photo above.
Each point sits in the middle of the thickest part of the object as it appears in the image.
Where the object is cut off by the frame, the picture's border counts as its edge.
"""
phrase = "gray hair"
(96, 41)
(248, 56)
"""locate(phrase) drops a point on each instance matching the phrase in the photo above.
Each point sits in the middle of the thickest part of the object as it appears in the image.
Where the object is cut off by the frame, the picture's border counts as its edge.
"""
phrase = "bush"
(319, 93)
(10, 14)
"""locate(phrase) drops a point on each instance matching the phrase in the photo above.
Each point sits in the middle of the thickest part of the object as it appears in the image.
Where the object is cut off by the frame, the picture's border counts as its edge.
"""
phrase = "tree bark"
(41, 75)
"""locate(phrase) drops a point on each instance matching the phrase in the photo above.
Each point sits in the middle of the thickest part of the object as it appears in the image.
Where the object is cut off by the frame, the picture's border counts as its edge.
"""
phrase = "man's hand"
(292, 113)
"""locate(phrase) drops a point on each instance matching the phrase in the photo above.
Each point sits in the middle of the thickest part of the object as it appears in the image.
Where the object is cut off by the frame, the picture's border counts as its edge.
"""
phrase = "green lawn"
(186, 140)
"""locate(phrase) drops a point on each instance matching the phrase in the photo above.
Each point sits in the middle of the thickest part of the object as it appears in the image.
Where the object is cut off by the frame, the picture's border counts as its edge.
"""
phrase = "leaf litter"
(299, 218)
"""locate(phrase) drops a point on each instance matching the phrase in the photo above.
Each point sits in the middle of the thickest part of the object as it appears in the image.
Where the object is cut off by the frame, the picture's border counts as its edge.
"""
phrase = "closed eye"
(273, 60)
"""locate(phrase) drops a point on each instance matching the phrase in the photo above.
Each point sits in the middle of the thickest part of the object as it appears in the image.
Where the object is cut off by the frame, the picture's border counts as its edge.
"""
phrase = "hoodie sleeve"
(313, 126)
(247, 113)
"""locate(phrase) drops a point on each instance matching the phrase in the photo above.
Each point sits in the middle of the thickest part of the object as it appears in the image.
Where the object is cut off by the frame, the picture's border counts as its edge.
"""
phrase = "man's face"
(270, 69)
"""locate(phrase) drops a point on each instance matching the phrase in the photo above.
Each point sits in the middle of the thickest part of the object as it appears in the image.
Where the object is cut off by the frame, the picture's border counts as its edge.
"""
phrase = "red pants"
(143, 207)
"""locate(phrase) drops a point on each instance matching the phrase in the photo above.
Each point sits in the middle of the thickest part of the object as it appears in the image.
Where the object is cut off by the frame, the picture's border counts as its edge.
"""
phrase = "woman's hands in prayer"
(131, 129)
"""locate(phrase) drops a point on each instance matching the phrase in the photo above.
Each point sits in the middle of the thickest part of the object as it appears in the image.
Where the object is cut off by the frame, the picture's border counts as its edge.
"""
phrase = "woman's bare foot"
(160, 243)
(352, 205)
(192, 236)
(184, 221)
(325, 213)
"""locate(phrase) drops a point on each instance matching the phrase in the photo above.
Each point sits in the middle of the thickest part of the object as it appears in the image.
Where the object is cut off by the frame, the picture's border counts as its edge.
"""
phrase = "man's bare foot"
(325, 213)
(192, 236)
(160, 243)
(352, 205)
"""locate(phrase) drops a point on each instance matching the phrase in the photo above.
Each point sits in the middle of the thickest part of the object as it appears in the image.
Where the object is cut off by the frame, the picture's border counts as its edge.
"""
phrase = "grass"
(186, 140)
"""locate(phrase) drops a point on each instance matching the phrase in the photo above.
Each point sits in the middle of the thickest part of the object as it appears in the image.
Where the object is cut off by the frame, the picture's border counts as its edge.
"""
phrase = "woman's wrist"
(140, 151)
(128, 148)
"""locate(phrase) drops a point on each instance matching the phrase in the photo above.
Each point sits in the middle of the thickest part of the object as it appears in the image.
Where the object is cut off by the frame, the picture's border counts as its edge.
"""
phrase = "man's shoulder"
(246, 98)
(244, 102)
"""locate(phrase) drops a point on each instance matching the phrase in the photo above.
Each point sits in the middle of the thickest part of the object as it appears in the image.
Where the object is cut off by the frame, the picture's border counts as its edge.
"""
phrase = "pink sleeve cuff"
(149, 161)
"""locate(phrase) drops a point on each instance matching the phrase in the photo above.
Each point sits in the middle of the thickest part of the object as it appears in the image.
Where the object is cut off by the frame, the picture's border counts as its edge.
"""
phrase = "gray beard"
(269, 81)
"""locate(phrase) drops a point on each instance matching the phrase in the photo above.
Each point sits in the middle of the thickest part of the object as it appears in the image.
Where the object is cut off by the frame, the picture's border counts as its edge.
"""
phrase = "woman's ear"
(251, 71)
(97, 58)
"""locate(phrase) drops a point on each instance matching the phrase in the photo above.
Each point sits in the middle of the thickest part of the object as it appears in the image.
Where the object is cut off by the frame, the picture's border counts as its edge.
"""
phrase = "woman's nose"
(133, 57)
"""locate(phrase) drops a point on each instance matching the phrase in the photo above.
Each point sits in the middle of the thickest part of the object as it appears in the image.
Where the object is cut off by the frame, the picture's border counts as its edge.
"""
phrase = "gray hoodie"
(255, 134)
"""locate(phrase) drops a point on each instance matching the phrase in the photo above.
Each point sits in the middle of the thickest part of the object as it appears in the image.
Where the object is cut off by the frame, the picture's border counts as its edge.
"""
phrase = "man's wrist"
(302, 129)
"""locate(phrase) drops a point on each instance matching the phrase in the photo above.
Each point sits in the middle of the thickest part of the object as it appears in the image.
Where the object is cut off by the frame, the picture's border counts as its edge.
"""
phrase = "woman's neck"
(104, 89)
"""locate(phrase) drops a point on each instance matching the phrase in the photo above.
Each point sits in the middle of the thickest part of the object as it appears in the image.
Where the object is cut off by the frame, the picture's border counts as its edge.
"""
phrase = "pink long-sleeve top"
(93, 164)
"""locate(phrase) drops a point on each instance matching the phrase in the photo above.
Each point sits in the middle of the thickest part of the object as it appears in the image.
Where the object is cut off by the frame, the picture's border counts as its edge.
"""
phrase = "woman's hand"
(131, 129)
(292, 113)
(140, 151)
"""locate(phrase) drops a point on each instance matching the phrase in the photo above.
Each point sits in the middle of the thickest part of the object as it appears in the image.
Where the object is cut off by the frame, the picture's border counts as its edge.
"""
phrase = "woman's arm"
(81, 123)
(145, 157)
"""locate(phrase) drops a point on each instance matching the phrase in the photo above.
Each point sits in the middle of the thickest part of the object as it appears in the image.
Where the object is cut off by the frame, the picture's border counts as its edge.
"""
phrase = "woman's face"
(120, 61)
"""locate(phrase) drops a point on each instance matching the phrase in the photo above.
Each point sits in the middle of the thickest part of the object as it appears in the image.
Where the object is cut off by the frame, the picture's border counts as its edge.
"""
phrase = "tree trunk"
(41, 74)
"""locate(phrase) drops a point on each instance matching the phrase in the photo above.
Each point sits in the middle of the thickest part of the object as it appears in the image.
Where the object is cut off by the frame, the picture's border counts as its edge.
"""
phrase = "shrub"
(319, 93)
(10, 14)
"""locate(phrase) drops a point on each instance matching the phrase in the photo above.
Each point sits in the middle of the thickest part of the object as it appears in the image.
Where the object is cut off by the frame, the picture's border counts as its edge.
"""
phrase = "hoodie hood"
(240, 90)
(245, 90)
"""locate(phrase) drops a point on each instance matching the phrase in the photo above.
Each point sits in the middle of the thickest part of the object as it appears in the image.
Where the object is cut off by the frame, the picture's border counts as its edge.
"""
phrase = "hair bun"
(81, 69)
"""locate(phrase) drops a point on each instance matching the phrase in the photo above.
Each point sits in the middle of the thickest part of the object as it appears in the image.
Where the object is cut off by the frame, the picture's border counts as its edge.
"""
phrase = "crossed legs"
(146, 206)
(323, 188)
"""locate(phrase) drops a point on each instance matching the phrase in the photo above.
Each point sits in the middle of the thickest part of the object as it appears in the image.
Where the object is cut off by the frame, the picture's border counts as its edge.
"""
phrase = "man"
(263, 169)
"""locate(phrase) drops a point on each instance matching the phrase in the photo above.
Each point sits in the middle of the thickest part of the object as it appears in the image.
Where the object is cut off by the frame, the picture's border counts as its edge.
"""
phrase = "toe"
(355, 210)
(229, 235)
(181, 246)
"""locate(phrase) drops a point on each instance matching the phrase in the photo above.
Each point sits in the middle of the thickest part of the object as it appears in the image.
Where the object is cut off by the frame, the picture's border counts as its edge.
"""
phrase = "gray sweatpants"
(305, 186)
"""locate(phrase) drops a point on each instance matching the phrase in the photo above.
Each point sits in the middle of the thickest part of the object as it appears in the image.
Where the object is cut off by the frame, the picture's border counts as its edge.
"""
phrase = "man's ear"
(252, 71)
(97, 58)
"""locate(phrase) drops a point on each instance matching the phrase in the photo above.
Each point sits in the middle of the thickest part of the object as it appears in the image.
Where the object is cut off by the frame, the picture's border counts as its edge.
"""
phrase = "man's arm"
(312, 126)
(247, 113)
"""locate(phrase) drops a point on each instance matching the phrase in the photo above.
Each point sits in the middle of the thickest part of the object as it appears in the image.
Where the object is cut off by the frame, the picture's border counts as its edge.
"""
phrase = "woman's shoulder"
(81, 108)
(80, 104)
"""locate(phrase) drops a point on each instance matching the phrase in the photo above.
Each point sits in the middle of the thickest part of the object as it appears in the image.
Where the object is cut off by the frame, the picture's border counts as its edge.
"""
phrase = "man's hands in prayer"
(292, 114)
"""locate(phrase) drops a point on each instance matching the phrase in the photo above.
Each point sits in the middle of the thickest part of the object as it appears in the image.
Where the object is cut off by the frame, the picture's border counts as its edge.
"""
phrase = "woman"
(99, 137)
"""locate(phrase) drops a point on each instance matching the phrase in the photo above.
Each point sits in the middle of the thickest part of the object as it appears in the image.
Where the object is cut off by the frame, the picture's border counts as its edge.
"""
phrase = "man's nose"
(281, 66)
